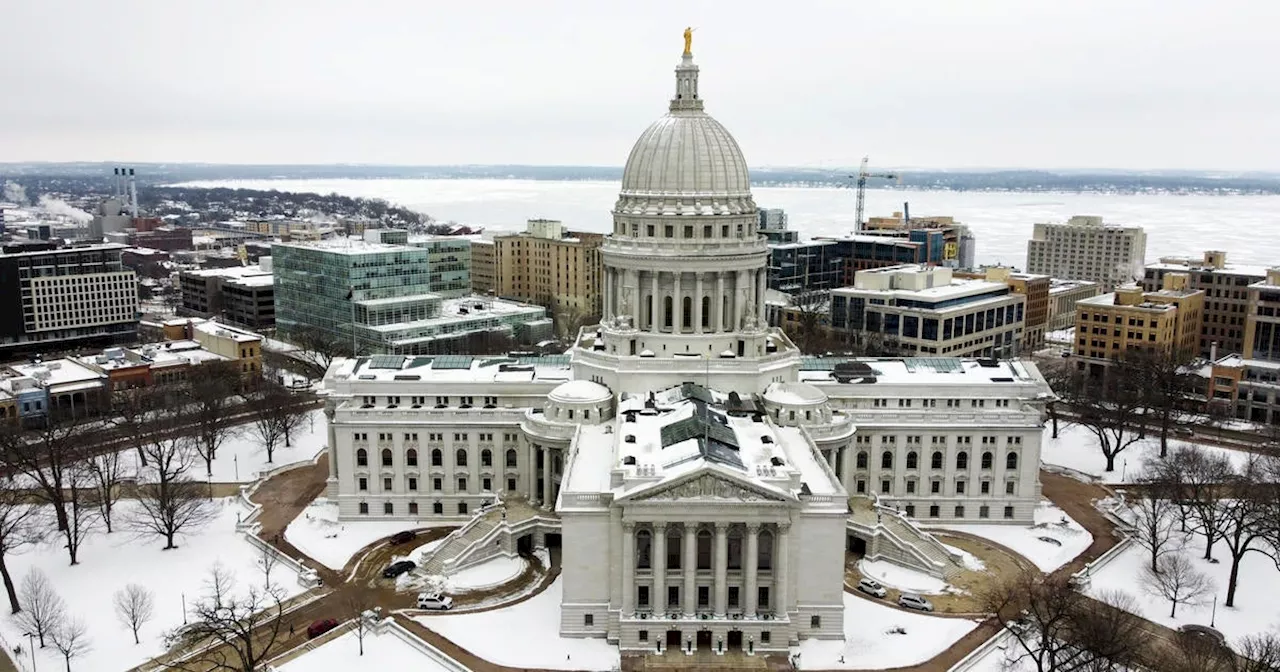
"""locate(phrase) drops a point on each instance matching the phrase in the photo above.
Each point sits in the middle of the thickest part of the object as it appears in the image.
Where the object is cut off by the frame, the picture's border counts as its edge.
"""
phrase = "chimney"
(906, 214)
(115, 182)
(133, 195)
(1213, 351)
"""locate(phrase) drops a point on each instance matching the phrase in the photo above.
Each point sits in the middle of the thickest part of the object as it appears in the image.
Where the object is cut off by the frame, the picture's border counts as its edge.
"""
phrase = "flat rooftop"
(455, 368)
(932, 371)
(248, 275)
(350, 245)
(955, 290)
(1197, 265)
(57, 372)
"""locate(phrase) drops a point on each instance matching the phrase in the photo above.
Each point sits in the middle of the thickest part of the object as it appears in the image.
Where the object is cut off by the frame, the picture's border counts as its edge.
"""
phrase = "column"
(677, 306)
(531, 469)
(697, 303)
(547, 501)
(628, 568)
(632, 280)
(655, 310)
(831, 458)
(659, 568)
(750, 568)
(722, 567)
(690, 596)
(762, 286)
(846, 466)
(718, 304)
(739, 298)
(781, 575)
(607, 309)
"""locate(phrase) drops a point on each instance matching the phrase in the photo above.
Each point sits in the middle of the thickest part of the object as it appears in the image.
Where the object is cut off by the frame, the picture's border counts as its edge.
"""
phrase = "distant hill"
(1171, 181)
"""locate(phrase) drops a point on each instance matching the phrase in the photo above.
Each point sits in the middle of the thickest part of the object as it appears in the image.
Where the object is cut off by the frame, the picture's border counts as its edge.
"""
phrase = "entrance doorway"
(857, 546)
(735, 639)
(704, 639)
(524, 545)
(553, 540)
(673, 639)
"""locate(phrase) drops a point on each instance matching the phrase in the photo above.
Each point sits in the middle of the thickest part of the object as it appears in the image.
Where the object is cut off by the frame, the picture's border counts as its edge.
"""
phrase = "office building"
(1084, 248)
(959, 245)
(923, 311)
(804, 267)
(1167, 320)
(773, 226)
(887, 248)
(66, 297)
(1035, 288)
(712, 515)
(552, 267)
(1262, 319)
(1226, 300)
(243, 295)
(1063, 295)
(483, 268)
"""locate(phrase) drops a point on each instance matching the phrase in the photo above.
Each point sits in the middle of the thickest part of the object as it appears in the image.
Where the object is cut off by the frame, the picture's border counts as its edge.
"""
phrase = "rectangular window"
(815, 622)
(960, 487)
(386, 484)
(644, 635)
(934, 511)
(437, 484)
(911, 487)
(935, 487)
(1009, 487)
(884, 487)
(764, 636)
(511, 483)
(959, 512)
(673, 596)
(762, 597)
(364, 483)
(588, 620)
(462, 508)
(486, 484)
(413, 483)
(984, 511)
(437, 508)
(364, 508)
(388, 508)
(642, 596)
(733, 597)
(704, 596)
(862, 487)
(1008, 512)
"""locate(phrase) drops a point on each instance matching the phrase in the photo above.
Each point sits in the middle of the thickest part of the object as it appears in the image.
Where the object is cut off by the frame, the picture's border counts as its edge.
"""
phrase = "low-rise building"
(70, 388)
(1035, 288)
(923, 311)
(1226, 300)
(240, 294)
(1110, 325)
(1063, 295)
(1250, 388)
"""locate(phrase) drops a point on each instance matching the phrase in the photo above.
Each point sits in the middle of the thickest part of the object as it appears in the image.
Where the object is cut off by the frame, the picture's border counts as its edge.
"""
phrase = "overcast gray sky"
(955, 83)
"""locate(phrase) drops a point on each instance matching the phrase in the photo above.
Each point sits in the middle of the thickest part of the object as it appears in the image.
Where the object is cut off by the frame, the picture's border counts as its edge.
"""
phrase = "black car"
(402, 537)
(397, 568)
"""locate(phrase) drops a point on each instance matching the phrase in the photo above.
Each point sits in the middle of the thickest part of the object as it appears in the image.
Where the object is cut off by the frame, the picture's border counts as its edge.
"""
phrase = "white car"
(435, 601)
(910, 601)
(871, 588)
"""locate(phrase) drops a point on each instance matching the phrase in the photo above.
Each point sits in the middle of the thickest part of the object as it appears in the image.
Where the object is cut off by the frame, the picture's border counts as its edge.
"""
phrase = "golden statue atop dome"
(688, 41)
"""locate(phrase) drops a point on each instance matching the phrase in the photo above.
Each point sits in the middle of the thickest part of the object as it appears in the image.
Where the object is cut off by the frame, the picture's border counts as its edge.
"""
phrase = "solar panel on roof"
(681, 431)
(546, 360)
(386, 361)
(452, 362)
(817, 363)
(495, 362)
(934, 364)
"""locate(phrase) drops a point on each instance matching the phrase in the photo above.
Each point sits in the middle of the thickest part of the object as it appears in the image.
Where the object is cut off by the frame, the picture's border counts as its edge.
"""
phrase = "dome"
(686, 163)
(579, 392)
(794, 394)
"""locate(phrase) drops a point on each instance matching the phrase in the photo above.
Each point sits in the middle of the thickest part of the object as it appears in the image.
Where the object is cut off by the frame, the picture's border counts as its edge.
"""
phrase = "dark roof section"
(716, 441)
(387, 362)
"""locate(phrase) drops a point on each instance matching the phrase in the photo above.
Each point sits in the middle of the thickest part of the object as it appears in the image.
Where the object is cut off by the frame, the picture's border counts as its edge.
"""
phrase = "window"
(962, 460)
(362, 458)
(704, 596)
(462, 508)
(987, 459)
(884, 486)
(674, 548)
(984, 511)
(642, 597)
(511, 458)
(912, 459)
(511, 483)
(411, 457)
(413, 508)
(386, 457)
(960, 487)
(388, 508)
(588, 620)
(437, 484)
(934, 511)
(862, 460)
(959, 512)
(644, 634)
(764, 551)
(1011, 461)
(815, 621)
(486, 484)
(437, 508)
(861, 486)
(935, 460)
(386, 484)
(437, 458)
(363, 483)
(886, 460)
(644, 549)
(1009, 487)
(704, 549)
(986, 487)
(935, 487)
(460, 457)
(462, 484)
(413, 483)
(486, 458)
(364, 508)
(911, 510)
(1008, 512)
(733, 597)
(673, 596)
(911, 487)
(764, 634)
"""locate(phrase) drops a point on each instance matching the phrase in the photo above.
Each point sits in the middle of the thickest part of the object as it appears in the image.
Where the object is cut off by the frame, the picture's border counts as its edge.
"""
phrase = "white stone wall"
(817, 571)
(590, 566)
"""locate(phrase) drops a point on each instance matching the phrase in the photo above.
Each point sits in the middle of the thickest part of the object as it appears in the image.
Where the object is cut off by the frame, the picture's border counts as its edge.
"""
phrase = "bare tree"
(210, 393)
(52, 460)
(1110, 409)
(135, 605)
(45, 608)
(21, 523)
(1058, 375)
(277, 412)
(1196, 652)
(84, 514)
(812, 316)
(71, 638)
(106, 471)
(1155, 516)
(356, 600)
(267, 561)
(1258, 653)
(1203, 479)
(169, 501)
(244, 626)
(133, 413)
(1162, 375)
(319, 347)
(1246, 518)
(1176, 580)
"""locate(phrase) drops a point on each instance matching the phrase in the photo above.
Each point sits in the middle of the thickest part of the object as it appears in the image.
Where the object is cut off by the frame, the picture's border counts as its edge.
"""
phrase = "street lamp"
(1213, 617)
(184, 608)
(1124, 468)
(31, 644)
(235, 459)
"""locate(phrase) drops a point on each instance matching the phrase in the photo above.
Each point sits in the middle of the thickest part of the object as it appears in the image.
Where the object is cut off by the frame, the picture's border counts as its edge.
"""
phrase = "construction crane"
(861, 178)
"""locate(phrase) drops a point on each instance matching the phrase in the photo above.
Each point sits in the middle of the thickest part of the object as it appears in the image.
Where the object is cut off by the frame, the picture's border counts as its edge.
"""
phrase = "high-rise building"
(922, 311)
(1085, 248)
(483, 267)
(66, 297)
(804, 267)
(1262, 319)
(1167, 320)
(1226, 296)
(554, 268)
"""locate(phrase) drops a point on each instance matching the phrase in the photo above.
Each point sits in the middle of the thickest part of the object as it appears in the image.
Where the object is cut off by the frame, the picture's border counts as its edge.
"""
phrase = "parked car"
(435, 601)
(402, 537)
(320, 627)
(397, 568)
(872, 588)
(917, 602)
(1183, 431)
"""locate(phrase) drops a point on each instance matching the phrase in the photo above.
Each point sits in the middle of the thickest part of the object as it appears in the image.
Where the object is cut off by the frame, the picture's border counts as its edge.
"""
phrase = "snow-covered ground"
(525, 635)
(1256, 609)
(109, 562)
(870, 642)
(488, 573)
(1050, 543)
(241, 456)
(382, 651)
(970, 561)
(318, 533)
(896, 576)
(1077, 448)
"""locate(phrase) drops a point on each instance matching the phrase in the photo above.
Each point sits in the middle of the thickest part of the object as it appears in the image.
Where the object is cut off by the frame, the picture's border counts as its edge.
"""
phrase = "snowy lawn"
(896, 576)
(1052, 542)
(109, 562)
(1256, 610)
(318, 533)
(525, 635)
(969, 560)
(488, 573)
(383, 651)
(242, 456)
(870, 643)
(1077, 448)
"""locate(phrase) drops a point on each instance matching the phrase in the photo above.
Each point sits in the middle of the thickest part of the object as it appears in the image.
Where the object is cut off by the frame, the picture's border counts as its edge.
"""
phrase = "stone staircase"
(923, 542)
(460, 540)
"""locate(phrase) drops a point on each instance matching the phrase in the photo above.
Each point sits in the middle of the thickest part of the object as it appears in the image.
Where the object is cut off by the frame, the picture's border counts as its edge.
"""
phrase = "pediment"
(707, 486)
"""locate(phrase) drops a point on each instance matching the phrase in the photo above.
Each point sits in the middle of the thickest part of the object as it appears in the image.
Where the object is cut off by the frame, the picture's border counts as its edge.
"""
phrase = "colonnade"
(719, 300)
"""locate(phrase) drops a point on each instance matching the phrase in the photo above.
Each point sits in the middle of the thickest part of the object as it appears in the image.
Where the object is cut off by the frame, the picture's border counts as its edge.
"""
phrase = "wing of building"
(701, 478)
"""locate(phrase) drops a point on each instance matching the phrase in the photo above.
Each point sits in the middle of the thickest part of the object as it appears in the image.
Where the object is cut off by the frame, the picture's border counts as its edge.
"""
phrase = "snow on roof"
(794, 394)
(218, 329)
(453, 368)
(931, 371)
(58, 372)
(580, 391)
(249, 275)
(173, 353)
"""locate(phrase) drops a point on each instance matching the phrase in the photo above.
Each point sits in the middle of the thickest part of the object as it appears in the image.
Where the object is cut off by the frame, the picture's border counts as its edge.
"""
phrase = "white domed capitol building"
(702, 479)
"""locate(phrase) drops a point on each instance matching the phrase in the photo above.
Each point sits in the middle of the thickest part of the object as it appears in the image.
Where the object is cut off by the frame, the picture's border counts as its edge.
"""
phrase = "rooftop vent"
(630, 459)
(989, 363)
(630, 438)
(776, 461)
(766, 439)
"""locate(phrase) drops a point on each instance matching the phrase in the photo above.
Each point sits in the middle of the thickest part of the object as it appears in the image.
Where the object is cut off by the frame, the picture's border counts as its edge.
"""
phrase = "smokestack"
(906, 214)
(1213, 351)
(133, 195)
(115, 182)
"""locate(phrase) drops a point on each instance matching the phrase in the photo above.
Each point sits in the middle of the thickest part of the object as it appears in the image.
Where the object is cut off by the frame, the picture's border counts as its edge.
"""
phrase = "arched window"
(674, 547)
(962, 460)
(706, 312)
(511, 458)
(437, 458)
(460, 457)
(912, 459)
(935, 460)
(362, 458)
(1011, 461)
(764, 551)
(666, 311)
(862, 459)
(735, 548)
(704, 549)
(686, 311)
(386, 457)
(644, 549)
(987, 460)
(486, 458)
(411, 457)
(886, 460)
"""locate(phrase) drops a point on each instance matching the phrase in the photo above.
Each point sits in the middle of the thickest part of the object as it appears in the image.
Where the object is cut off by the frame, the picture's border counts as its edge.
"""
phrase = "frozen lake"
(1002, 222)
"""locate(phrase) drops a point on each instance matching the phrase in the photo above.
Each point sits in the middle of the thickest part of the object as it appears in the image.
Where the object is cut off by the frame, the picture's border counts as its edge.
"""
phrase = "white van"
(435, 601)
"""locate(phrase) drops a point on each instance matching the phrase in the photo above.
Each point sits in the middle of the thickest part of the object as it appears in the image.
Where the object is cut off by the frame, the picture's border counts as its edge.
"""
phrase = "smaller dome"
(794, 394)
(580, 392)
